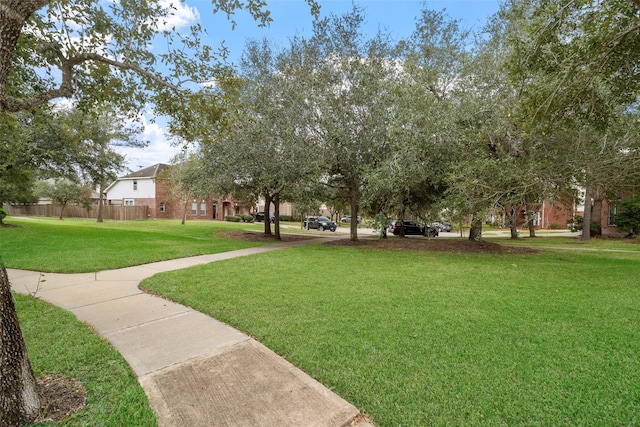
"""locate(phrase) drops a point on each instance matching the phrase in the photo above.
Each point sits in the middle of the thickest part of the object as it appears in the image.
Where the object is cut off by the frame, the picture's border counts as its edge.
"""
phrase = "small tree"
(64, 192)
(628, 216)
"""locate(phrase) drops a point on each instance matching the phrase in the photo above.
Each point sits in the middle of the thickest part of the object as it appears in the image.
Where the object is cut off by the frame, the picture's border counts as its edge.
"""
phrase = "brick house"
(143, 188)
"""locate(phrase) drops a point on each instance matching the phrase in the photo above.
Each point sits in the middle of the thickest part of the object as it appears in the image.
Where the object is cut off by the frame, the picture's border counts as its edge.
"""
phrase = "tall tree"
(410, 181)
(95, 138)
(349, 96)
(581, 60)
(266, 151)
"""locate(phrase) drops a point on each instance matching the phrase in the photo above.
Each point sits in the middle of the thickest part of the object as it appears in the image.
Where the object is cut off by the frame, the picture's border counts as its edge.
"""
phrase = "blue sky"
(291, 17)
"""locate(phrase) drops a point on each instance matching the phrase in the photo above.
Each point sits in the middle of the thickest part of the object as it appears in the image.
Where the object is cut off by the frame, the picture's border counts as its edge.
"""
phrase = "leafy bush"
(233, 218)
(3, 214)
(628, 216)
(554, 226)
(285, 217)
(575, 223)
(247, 218)
(596, 229)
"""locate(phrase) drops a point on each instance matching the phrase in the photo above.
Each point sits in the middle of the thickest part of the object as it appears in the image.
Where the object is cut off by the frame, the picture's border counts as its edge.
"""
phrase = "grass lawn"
(424, 338)
(410, 338)
(79, 245)
(59, 344)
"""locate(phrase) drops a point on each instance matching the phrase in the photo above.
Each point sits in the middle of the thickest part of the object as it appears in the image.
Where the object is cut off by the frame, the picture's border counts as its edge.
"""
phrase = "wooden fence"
(109, 212)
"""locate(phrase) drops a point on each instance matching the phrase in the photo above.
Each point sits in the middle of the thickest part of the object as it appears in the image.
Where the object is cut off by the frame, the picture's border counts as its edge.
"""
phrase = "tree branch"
(66, 90)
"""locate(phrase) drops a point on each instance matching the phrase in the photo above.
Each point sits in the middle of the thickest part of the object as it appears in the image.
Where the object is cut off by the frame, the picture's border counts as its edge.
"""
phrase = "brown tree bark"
(532, 226)
(596, 215)
(353, 225)
(586, 219)
(475, 234)
(19, 400)
(100, 203)
(276, 216)
(13, 14)
(513, 225)
(267, 218)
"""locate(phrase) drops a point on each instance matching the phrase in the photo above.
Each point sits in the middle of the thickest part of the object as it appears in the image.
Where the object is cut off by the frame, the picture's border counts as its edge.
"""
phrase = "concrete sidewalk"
(195, 370)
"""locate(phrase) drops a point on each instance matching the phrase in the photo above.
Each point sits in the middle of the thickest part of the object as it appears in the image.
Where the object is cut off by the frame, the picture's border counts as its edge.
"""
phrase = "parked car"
(348, 219)
(259, 216)
(412, 228)
(319, 223)
(441, 227)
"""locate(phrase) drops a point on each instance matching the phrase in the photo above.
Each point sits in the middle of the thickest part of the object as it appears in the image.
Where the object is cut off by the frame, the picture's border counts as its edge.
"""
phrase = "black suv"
(319, 223)
(412, 229)
(259, 216)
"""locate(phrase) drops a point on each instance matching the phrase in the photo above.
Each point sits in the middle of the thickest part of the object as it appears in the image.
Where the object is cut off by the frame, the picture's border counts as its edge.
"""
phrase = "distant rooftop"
(149, 172)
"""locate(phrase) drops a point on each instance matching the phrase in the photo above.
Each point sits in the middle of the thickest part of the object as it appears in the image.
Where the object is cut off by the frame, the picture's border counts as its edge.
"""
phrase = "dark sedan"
(412, 228)
(319, 223)
(441, 226)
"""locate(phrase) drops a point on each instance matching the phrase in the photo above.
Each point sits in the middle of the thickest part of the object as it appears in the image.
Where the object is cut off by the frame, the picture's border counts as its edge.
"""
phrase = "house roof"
(148, 172)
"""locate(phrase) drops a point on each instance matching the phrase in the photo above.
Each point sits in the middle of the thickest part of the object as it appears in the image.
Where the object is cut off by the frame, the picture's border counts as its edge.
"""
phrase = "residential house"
(146, 188)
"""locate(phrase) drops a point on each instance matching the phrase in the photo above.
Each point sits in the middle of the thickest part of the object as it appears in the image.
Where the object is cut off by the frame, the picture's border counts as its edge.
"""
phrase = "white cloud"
(159, 149)
(180, 15)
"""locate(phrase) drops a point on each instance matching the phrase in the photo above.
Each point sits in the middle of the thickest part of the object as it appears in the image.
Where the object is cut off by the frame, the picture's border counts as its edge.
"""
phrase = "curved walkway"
(195, 370)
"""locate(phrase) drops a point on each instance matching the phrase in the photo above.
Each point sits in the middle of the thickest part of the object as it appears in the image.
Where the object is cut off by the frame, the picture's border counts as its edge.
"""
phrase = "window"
(162, 207)
(135, 185)
(203, 208)
(128, 202)
(194, 208)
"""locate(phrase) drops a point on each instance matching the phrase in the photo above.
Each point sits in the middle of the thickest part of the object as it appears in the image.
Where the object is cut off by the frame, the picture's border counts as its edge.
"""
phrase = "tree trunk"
(100, 202)
(586, 219)
(532, 227)
(19, 400)
(353, 225)
(276, 216)
(184, 211)
(513, 226)
(475, 234)
(596, 215)
(267, 217)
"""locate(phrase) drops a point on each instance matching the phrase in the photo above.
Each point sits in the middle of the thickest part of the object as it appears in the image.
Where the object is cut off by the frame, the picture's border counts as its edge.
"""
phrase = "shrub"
(628, 216)
(285, 217)
(554, 226)
(247, 218)
(575, 223)
(233, 218)
(3, 214)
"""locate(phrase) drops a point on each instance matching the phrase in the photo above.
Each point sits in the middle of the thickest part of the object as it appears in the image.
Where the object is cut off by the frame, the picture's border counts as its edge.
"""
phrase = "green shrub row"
(240, 218)
(250, 218)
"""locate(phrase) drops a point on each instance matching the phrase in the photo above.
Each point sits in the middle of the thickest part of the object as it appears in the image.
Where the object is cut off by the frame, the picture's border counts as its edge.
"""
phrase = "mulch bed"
(413, 243)
(61, 397)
